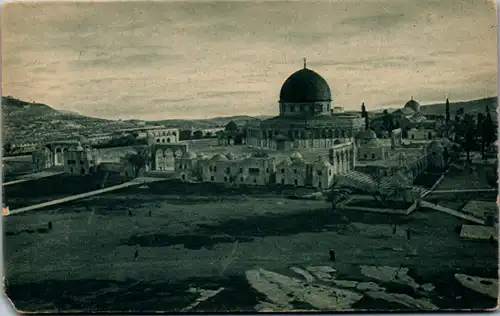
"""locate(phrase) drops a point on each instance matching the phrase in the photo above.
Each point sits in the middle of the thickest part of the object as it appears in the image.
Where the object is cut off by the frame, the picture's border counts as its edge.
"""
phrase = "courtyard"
(137, 248)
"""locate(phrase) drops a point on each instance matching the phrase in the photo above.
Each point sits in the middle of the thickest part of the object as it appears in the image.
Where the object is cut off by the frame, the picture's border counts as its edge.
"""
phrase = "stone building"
(51, 154)
(342, 156)
(306, 118)
(369, 147)
(261, 169)
(80, 161)
(163, 136)
(396, 138)
(257, 169)
(421, 134)
(294, 170)
(186, 166)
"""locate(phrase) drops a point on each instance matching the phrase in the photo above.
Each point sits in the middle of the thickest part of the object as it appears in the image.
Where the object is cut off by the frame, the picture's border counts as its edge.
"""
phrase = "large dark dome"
(414, 105)
(305, 85)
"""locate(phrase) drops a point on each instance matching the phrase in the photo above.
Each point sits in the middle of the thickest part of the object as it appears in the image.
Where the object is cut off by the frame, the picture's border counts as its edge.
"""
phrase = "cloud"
(147, 59)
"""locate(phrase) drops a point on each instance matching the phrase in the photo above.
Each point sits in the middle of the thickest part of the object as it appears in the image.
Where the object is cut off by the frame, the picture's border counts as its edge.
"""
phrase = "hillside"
(27, 122)
(210, 123)
(470, 107)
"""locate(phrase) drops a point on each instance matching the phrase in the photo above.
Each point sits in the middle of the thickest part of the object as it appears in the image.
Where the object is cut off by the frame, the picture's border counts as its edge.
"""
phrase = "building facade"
(80, 161)
(262, 169)
(163, 136)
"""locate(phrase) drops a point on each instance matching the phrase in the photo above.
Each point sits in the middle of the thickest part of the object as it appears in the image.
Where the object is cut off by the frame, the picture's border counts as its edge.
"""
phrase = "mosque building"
(306, 117)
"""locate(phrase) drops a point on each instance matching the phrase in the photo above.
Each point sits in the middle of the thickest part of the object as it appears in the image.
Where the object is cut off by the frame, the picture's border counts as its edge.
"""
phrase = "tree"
(140, 159)
(447, 111)
(388, 188)
(446, 155)
(7, 148)
(488, 132)
(469, 132)
(388, 122)
(364, 114)
(336, 194)
(231, 127)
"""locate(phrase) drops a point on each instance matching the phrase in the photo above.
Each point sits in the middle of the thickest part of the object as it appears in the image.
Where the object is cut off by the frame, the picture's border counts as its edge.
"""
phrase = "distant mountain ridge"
(471, 107)
(211, 122)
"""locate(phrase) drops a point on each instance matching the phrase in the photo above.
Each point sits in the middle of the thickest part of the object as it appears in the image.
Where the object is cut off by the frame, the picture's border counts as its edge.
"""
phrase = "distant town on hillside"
(27, 124)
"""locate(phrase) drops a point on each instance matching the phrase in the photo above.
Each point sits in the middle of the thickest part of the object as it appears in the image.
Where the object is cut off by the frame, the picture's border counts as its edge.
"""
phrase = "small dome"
(412, 104)
(79, 148)
(296, 155)
(231, 156)
(305, 85)
(189, 155)
(219, 157)
(372, 143)
(367, 135)
(200, 155)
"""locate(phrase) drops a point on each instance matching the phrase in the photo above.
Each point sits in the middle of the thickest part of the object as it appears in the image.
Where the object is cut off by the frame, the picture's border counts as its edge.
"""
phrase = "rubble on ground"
(482, 285)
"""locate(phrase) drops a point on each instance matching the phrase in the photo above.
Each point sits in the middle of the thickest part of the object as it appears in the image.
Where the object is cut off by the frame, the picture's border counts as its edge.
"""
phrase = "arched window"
(296, 182)
(157, 140)
(168, 140)
(163, 140)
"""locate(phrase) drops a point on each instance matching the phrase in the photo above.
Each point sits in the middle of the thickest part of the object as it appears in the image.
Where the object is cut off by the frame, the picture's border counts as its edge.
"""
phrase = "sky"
(202, 59)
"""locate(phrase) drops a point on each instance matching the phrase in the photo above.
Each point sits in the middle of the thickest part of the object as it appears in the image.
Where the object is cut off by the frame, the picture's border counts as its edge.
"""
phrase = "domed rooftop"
(367, 135)
(305, 85)
(296, 155)
(412, 104)
(373, 143)
(219, 157)
(189, 155)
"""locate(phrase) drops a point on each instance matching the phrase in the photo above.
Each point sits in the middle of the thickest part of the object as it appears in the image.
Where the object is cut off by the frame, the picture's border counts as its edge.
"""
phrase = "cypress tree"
(447, 110)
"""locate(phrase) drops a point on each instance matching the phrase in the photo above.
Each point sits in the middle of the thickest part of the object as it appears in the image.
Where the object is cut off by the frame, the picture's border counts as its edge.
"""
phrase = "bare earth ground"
(86, 262)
